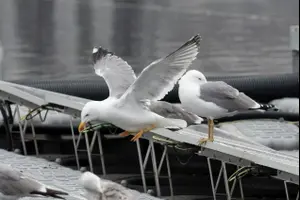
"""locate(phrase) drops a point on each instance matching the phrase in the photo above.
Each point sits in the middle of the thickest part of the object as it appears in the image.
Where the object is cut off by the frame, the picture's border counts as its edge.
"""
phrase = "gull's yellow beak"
(81, 127)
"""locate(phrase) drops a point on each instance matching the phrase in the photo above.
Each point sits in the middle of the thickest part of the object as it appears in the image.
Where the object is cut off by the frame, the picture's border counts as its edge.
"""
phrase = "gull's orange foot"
(124, 134)
(137, 136)
(141, 132)
(204, 141)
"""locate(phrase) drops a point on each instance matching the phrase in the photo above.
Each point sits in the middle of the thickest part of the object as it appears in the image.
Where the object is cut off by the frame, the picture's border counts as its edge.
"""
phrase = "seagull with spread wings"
(127, 106)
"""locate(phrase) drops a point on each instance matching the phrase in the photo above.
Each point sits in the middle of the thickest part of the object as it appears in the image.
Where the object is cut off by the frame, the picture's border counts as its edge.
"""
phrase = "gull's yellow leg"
(141, 132)
(124, 134)
(210, 133)
(211, 130)
(137, 136)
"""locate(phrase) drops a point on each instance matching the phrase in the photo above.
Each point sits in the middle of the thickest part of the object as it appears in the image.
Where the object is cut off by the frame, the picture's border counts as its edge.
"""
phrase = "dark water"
(53, 39)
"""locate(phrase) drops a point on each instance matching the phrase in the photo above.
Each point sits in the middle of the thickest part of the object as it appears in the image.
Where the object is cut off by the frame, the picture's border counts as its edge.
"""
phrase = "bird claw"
(137, 136)
(124, 134)
(141, 132)
(205, 140)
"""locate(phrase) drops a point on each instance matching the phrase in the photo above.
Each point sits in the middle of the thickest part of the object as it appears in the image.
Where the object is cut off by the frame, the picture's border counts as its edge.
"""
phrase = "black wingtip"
(100, 52)
(196, 39)
(51, 193)
(267, 107)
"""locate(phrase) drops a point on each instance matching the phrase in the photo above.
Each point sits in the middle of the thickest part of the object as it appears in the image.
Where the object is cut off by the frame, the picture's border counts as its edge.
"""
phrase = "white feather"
(116, 72)
(159, 78)
(131, 112)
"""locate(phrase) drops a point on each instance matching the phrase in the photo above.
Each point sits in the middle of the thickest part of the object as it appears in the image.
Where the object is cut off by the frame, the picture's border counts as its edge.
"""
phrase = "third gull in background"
(287, 104)
(97, 188)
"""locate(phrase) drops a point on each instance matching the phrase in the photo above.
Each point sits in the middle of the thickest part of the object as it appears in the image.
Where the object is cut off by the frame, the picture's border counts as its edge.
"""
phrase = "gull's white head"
(91, 182)
(193, 76)
(90, 113)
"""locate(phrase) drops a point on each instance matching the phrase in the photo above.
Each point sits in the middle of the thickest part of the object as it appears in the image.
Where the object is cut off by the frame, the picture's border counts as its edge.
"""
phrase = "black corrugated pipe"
(262, 88)
(9, 137)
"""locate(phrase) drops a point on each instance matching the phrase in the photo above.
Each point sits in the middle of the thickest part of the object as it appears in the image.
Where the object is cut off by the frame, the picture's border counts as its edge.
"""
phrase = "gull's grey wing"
(174, 111)
(12, 182)
(8, 174)
(158, 78)
(116, 72)
(226, 96)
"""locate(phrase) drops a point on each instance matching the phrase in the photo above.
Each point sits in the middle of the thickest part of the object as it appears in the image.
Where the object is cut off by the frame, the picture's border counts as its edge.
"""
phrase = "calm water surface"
(53, 39)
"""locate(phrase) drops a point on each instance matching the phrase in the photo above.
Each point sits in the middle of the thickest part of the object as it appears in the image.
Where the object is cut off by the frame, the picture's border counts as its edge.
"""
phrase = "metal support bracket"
(156, 168)
(89, 148)
(287, 191)
(224, 157)
(23, 125)
(229, 191)
(287, 177)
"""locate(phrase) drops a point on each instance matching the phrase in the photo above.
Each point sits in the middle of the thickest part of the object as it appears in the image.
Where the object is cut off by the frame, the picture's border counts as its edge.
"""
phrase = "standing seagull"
(14, 185)
(127, 106)
(213, 99)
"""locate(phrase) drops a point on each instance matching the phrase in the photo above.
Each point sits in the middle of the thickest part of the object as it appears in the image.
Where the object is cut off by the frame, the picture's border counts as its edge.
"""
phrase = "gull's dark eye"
(86, 115)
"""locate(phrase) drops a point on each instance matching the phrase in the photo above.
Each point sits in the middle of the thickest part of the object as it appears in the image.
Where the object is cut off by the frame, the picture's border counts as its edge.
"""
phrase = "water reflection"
(35, 30)
(53, 39)
(128, 23)
(84, 18)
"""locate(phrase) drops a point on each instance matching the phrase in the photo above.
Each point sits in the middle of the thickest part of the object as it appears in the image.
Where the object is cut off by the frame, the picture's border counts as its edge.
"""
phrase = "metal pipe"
(101, 153)
(74, 144)
(9, 138)
(156, 175)
(142, 168)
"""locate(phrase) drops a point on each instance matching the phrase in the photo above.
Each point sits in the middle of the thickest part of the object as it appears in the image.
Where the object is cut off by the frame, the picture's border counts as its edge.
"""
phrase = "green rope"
(96, 126)
(240, 173)
(162, 139)
(37, 111)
